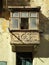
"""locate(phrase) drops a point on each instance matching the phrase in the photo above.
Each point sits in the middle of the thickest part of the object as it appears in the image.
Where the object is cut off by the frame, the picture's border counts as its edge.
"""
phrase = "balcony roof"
(24, 8)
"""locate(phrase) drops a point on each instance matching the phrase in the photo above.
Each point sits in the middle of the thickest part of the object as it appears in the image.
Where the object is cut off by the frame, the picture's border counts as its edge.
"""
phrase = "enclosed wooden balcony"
(24, 26)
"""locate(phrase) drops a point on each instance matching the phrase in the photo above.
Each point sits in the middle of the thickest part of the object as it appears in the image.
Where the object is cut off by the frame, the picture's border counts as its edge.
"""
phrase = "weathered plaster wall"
(6, 53)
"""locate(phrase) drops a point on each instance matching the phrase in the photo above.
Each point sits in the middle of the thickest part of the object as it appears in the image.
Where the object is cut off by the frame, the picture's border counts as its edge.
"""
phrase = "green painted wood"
(3, 63)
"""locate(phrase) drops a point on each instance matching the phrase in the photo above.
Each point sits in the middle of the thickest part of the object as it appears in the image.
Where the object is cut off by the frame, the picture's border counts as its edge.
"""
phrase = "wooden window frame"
(29, 16)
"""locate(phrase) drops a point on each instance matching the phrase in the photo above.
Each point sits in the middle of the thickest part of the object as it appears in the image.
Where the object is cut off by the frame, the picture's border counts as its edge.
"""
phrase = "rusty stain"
(4, 25)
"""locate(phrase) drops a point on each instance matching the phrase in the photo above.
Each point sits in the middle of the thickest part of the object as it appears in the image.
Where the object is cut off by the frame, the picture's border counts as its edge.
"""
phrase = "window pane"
(14, 22)
(3, 63)
(28, 62)
(23, 61)
(24, 14)
(32, 14)
(16, 14)
(32, 24)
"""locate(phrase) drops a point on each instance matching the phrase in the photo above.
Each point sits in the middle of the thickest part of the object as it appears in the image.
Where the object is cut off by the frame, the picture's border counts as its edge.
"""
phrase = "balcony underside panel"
(25, 38)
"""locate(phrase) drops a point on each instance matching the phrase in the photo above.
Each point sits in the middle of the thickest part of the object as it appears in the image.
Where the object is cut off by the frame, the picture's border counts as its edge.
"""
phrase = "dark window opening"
(24, 58)
(24, 23)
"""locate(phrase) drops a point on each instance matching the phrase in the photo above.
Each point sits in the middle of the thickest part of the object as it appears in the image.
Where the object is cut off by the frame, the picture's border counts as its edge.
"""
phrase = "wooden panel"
(16, 2)
(25, 38)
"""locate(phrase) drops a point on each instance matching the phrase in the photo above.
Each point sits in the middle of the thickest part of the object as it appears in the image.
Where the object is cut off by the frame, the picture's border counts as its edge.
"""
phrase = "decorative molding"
(25, 38)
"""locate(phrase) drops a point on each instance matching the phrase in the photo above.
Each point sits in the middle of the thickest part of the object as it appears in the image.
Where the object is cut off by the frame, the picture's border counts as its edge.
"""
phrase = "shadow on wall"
(43, 50)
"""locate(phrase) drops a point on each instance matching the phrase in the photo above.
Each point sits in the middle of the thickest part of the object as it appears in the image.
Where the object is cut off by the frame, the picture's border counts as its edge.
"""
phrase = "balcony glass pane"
(14, 22)
(32, 24)
(24, 14)
(32, 14)
(15, 14)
